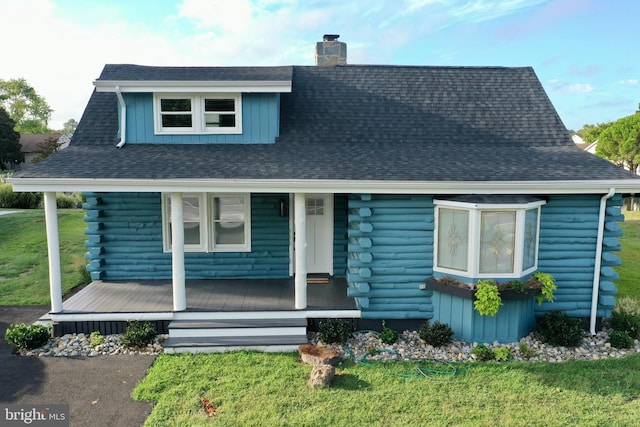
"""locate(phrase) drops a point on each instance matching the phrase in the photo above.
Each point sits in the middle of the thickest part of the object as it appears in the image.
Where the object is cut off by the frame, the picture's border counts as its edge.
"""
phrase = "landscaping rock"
(314, 355)
(322, 375)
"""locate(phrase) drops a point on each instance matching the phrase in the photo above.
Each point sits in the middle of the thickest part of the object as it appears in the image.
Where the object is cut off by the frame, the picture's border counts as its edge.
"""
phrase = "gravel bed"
(410, 347)
(364, 344)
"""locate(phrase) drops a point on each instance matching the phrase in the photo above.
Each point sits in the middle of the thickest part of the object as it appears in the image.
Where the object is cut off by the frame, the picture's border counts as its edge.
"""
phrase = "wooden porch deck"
(228, 295)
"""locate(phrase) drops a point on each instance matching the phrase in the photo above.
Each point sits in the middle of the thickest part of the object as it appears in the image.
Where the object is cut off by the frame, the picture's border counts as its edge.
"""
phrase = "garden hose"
(426, 368)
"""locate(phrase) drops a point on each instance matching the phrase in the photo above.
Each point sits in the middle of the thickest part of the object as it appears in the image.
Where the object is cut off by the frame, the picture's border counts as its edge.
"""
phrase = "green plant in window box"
(488, 299)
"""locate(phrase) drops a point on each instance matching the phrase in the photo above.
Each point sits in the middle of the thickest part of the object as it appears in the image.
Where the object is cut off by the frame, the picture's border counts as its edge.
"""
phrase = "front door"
(319, 208)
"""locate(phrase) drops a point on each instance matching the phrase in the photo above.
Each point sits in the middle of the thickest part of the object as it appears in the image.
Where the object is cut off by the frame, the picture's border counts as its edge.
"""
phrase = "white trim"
(214, 86)
(322, 186)
(300, 230)
(177, 254)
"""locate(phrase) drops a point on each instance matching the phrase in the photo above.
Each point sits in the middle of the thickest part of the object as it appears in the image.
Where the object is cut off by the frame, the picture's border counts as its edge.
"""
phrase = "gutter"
(123, 118)
(598, 260)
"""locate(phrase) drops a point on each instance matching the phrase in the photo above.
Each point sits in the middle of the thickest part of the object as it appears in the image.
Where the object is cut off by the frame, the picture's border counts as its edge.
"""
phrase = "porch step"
(217, 335)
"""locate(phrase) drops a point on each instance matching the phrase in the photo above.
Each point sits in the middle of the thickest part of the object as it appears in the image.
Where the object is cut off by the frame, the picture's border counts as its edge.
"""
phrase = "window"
(212, 223)
(211, 113)
(495, 238)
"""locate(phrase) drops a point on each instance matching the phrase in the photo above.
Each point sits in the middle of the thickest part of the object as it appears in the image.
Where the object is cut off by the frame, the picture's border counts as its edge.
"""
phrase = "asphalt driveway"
(97, 389)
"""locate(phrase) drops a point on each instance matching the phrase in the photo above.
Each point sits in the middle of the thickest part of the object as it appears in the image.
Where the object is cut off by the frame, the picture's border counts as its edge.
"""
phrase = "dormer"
(196, 105)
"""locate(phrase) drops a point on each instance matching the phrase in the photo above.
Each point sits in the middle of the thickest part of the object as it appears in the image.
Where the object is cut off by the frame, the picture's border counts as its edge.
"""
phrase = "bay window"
(487, 236)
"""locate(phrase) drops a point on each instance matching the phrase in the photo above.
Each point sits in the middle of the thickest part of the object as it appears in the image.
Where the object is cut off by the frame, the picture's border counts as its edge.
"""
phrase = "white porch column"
(177, 253)
(300, 229)
(53, 247)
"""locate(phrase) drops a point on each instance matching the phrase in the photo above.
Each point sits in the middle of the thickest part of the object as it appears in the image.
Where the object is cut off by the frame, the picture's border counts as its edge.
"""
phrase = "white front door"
(319, 209)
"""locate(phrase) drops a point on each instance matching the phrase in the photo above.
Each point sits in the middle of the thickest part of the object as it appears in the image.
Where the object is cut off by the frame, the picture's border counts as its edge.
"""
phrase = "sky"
(584, 52)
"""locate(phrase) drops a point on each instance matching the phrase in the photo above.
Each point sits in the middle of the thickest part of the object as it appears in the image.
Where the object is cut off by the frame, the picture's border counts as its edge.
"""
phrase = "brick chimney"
(330, 51)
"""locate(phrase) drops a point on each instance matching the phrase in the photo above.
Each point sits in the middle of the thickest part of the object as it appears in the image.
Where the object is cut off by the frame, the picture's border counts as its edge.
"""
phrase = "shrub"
(559, 329)
(620, 339)
(95, 339)
(11, 200)
(68, 200)
(28, 337)
(388, 336)
(482, 352)
(527, 352)
(626, 317)
(436, 334)
(503, 354)
(334, 330)
(139, 334)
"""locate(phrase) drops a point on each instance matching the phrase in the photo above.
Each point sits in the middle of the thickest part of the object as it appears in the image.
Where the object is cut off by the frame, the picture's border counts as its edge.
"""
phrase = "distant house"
(235, 205)
(31, 144)
(586, 146)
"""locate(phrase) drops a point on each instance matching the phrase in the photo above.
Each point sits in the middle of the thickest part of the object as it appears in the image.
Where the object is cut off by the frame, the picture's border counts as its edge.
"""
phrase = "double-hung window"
(212, 222)
(487, 236)
(198, 114)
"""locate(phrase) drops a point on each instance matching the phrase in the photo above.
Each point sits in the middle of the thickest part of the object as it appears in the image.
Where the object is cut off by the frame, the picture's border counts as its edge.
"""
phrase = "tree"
(590, 133)
(69, 127)
(46, 148)
(620, 142)
(29, 111)
(10, 154)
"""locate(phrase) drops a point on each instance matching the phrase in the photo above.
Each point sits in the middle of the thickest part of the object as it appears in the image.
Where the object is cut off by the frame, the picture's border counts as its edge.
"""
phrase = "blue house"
(233, 205)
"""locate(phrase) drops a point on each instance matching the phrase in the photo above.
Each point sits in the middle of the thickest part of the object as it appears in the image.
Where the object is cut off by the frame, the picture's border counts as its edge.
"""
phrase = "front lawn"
(24, 268)
(629, 271)
(258, 389)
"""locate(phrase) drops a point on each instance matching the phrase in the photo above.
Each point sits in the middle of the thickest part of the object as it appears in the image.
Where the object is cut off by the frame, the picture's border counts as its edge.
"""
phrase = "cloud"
(586, 71)
(628, 82)
(570, 88)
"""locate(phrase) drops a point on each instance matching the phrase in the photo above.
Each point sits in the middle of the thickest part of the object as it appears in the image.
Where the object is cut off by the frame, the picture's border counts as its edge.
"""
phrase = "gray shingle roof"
(130, 72)
(358, 123)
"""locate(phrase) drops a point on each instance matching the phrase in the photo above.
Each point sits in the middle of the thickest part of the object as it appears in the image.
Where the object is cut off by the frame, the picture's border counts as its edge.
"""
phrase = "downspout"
(123, 119)
(598, 260)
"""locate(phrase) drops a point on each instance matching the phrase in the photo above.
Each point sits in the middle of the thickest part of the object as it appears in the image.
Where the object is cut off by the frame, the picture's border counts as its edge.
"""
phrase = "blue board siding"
(124, 239)
(390, 254)
(260, 121)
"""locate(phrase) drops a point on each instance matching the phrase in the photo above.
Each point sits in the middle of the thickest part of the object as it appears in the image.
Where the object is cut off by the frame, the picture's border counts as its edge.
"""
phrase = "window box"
(453, 305)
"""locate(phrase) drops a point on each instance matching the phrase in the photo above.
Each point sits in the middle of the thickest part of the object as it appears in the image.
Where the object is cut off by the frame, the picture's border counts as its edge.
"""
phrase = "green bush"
(503, 354)
(95, 339)
(436, 334)
(11, 200)
(626, 317)
(69, 200)
(28, 337)
(334, 330)
(620, 339)
(483, 353)
(526, 352)
(559, 329)
(388, 336)
(139, 334)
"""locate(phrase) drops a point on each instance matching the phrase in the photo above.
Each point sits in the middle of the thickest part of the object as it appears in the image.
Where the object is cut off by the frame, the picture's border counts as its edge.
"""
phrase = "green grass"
(257, 389)
(24, 269)
(629, 271)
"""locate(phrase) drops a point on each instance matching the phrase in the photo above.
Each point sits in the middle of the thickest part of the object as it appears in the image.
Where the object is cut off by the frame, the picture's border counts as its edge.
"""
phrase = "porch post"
(300, 229)
(177, 253)
(53, 247)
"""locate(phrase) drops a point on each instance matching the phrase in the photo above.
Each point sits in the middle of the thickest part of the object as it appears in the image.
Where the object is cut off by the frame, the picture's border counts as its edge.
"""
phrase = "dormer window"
(198, 114)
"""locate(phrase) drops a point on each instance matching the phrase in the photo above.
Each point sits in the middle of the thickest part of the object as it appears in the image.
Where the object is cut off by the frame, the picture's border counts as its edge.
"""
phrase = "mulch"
(97, 389)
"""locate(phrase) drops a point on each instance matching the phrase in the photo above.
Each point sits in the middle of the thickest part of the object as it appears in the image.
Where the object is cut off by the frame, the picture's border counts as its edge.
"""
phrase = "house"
(309, 192)
(31, 144)
(588, 147)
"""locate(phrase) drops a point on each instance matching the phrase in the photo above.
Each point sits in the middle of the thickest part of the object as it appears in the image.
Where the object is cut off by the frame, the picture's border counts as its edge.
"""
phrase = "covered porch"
(211, 295)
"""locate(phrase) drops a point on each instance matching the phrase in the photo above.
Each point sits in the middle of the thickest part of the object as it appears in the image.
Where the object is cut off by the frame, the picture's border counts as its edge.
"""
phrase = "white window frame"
(207, 224)
(246, 246)
(198, 122)
(166, 224)
(473, 239)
